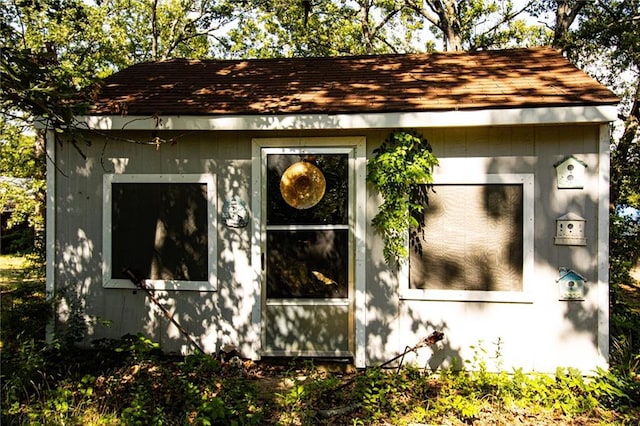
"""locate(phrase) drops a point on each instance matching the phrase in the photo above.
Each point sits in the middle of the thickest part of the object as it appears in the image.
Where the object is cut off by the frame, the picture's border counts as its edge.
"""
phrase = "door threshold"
(307, 354)
(329, 364)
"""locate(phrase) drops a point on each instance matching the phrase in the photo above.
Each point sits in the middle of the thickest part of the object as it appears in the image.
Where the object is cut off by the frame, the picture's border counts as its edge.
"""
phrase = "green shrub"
(24, 314)
(129, 381)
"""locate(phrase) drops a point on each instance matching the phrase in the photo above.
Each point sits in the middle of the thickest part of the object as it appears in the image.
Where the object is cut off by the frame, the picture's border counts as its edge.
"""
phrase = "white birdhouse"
(570, 285)
(570, 173)
(570, 230)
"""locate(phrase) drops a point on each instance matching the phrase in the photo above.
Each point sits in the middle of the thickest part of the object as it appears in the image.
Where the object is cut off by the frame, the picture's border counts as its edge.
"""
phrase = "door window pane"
(307, 264)
(331, 209)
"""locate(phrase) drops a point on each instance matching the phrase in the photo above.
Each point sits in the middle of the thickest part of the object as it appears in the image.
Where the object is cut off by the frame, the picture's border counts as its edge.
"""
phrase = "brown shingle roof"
(520, 78)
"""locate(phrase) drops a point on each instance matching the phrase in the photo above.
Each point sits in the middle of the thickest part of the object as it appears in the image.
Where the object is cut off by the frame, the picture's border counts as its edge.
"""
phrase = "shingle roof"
(519, 78)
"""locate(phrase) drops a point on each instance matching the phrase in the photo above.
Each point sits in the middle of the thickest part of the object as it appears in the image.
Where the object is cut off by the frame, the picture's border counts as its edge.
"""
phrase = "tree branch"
(431, 17)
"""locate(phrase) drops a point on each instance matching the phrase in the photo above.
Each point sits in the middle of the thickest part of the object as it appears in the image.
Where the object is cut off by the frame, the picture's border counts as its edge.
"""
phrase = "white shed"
(185, 179)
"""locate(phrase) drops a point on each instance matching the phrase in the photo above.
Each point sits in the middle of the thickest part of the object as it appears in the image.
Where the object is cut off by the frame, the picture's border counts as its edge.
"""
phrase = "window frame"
(210, 181)
(523, 296)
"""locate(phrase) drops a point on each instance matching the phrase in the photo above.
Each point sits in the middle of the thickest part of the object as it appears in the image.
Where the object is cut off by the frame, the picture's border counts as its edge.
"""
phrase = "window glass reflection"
(331, 209)
(159, 230)
(307, 264)
(473, 239)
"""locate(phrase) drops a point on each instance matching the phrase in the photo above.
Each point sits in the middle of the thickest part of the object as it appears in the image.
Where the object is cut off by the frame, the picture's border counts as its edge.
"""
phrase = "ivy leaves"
(400, 169)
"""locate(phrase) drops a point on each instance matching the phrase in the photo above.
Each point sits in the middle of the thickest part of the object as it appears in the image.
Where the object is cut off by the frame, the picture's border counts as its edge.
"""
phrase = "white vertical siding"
(538, 335)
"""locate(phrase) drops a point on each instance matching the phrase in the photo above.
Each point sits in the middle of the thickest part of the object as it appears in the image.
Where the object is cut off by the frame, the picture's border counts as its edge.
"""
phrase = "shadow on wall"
(571, 319)
(389, 320)
(551, 145)
(112, 313)
(203, 313)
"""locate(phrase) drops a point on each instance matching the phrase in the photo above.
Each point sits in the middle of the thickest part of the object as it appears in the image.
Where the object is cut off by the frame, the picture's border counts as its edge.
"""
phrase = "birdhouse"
(570, 173)
(570, 230)
(570, 285)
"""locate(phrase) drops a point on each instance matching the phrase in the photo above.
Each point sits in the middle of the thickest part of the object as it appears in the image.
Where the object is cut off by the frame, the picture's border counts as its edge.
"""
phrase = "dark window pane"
(331, 209)
(159, 230)
(473, 239)
(307, 264)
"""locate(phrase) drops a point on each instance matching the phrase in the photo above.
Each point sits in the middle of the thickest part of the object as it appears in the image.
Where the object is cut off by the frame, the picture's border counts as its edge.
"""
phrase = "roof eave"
(460, 118)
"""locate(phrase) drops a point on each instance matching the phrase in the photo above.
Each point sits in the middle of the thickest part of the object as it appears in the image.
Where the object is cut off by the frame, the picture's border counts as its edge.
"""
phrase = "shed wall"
(538, 335)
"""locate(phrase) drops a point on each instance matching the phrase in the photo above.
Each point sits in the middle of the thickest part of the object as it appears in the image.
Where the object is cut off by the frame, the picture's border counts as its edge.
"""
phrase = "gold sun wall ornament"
(302, 185)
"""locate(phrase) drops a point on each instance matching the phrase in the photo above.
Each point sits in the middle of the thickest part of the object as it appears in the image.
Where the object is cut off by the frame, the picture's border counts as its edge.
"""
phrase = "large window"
(476, 242)
(161, 227)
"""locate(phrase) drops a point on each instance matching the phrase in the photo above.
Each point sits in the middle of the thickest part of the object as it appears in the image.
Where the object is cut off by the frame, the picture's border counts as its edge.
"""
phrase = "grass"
(631, 291)
(128, 381)
(18, 270)
(24, 309)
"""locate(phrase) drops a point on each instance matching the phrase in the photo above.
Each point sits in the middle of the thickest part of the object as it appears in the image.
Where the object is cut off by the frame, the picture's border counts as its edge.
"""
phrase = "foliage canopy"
(52, 48)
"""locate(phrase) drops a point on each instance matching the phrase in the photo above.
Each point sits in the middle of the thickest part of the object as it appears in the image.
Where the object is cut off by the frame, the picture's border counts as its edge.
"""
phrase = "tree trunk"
(444, 15)
(452, 39)
(366, 30)
(566, 13)
(450, 21)
(154, 31)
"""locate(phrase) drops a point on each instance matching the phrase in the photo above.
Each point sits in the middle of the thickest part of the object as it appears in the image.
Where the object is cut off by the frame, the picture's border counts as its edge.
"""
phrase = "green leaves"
(402, 166)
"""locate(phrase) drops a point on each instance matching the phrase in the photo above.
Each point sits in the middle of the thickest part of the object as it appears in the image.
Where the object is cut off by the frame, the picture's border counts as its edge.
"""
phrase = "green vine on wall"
(401, 171)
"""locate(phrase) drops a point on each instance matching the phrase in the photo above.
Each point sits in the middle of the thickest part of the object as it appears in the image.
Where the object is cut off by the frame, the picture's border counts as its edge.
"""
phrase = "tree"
(152, 30)
(322, 28)
(446, 16)
(40, 64)
(606, 44)
(21, 185)
(561, 14)
(37, 83)
(478, 24)
(282, 29)
(566, 13)
(53, 48)
(609, 35)
(338, 27)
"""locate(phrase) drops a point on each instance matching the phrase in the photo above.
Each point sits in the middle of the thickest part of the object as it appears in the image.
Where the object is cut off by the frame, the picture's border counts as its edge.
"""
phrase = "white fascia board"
(487, 117)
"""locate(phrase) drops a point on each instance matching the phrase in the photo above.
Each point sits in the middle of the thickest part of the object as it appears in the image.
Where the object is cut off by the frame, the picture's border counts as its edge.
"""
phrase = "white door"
(307, 251)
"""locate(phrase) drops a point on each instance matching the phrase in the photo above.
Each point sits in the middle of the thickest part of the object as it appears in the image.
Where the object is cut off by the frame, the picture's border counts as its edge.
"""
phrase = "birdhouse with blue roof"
(570, 285)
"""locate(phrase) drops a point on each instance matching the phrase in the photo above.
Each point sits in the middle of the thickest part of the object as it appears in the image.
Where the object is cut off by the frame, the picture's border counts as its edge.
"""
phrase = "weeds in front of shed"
(121, 387)
(128, 381)
(133, 386)
(293, 400)
(24, 309)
